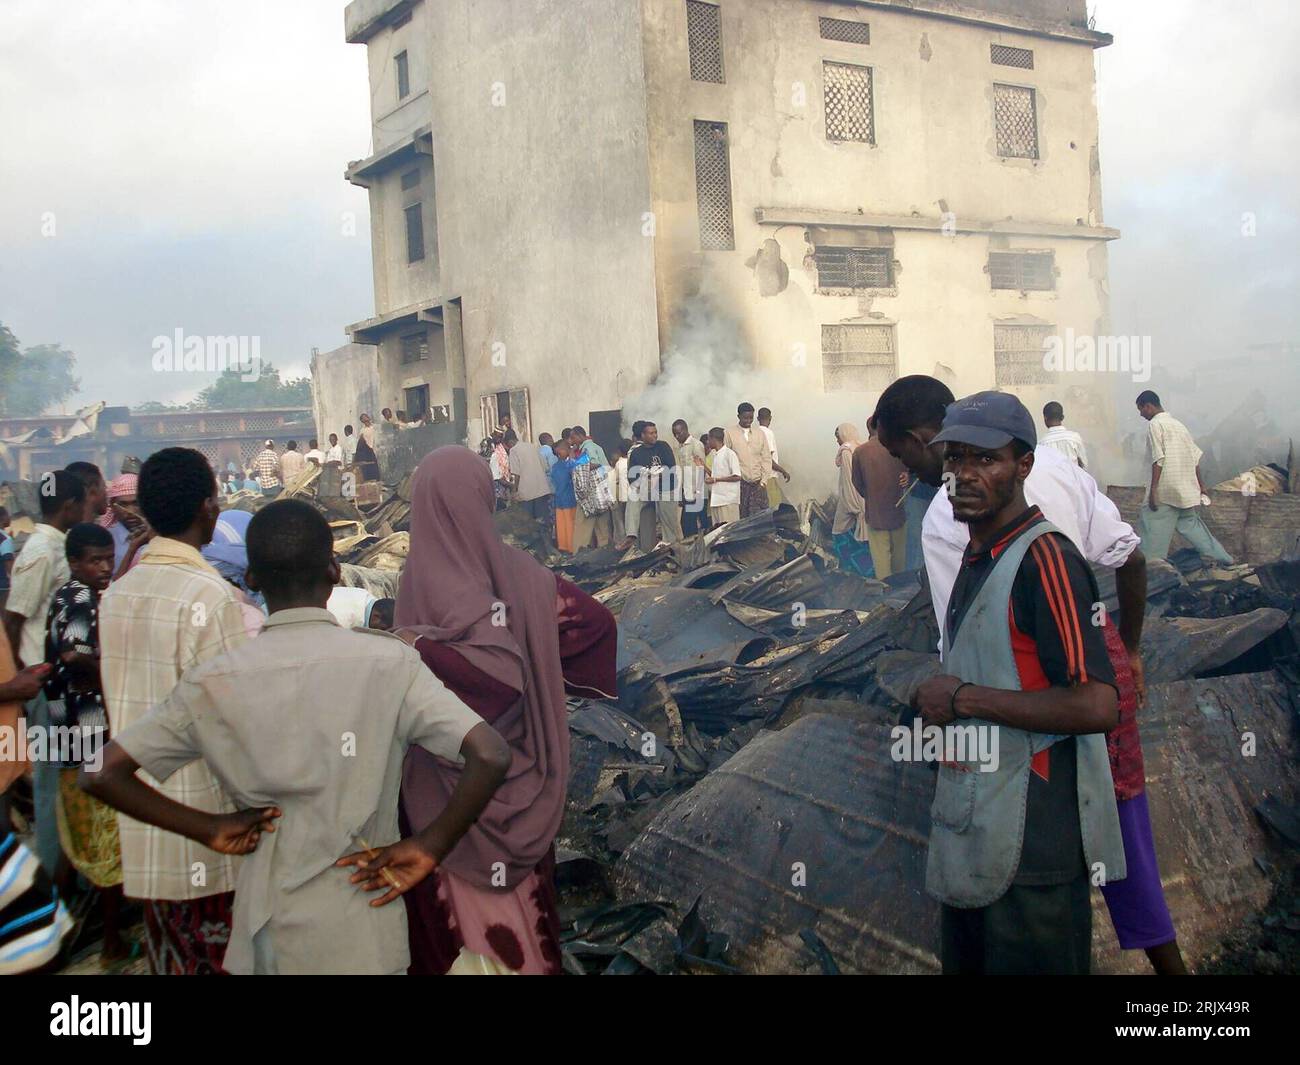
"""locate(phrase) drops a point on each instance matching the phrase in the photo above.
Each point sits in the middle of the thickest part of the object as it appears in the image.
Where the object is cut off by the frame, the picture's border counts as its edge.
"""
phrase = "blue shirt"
(6, 551)
(562, 478)
(549, 456)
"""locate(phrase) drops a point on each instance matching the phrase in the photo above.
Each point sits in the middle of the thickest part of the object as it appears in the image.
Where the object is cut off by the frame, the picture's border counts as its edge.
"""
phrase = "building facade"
(860, 189)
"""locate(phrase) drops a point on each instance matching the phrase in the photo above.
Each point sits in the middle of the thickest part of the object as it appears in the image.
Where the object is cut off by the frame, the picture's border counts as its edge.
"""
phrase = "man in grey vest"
(1016, 842)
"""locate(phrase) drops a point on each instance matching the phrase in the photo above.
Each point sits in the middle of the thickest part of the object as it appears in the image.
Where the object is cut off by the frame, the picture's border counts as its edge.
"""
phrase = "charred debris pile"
(737, 808)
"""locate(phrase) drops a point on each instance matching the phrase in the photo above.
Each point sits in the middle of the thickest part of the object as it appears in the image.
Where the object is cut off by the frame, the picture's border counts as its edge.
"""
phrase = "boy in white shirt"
(724, 482)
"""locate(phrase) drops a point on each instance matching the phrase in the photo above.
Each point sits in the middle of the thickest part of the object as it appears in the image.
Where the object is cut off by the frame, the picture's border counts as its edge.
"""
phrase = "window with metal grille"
(713, 186)
(854, 267)
(414, 234)
(415, 346)
(410, 179)
(1006, 56)
(1027, 271)
(858, 358)
(1018, 355)
(704, 36)
(842, 29)
(1015, 120)
(403, 76)
(850, 114)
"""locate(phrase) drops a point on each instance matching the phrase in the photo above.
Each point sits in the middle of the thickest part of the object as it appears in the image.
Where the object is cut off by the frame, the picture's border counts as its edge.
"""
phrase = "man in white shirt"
(1176, 488)
(315, 455)
(40, 570)
(335, 453)
(292, 462)
(690, 473)
(724, 480)
(1066, 441)
(773, 486)
(348, 445)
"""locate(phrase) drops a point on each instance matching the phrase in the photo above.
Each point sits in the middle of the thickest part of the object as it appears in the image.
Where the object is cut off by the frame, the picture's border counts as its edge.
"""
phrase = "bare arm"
(14, 631)
(1155, 484)
(117, 785)
(1078, 710)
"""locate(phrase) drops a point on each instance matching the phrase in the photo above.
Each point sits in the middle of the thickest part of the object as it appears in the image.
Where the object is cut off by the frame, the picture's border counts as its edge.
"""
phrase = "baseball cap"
(988, 420)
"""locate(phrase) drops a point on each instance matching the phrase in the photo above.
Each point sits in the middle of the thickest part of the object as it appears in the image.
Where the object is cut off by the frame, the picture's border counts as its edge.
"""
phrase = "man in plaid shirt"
(172, 610)
(267, 469)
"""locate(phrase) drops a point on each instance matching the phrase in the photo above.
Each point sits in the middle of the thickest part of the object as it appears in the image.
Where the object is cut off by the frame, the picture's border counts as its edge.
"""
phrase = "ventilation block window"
(713, 186)
(704, 35)
(858, 358)
(850, 113)
(1018, 355)
(1015, 120)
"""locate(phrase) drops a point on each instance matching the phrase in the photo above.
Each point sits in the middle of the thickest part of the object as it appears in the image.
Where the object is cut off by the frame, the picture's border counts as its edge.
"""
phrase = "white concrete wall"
(540, 147)
(934, 153)
(344, 384)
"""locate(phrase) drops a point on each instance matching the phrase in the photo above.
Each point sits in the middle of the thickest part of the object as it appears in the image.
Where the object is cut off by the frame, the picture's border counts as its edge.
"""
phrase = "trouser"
(694, 517)
(45, 791)
(753, 498)
(888, 548)
(584, 525)
(617, 522)
(641, 515)
(539, 510)
(915, 507)
(564, 522)
(1158, 527)
(669, 514)
(1030, 931)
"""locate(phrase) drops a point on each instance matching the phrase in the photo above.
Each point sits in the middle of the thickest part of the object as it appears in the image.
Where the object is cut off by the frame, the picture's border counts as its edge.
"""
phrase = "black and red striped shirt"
(1057, 640)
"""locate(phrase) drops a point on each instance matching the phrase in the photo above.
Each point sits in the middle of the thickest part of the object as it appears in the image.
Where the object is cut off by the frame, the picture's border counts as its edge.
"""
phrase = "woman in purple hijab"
(510, 638)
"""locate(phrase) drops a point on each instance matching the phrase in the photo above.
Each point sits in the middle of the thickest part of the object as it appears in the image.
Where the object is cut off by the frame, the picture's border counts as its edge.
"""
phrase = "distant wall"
(344, 384)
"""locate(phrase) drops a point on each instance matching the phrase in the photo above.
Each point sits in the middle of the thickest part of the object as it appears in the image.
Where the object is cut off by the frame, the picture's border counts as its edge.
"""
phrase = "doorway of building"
(496, 407)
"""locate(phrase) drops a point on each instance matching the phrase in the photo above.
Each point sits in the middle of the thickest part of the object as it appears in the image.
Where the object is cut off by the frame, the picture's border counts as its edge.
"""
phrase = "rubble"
(743, 776)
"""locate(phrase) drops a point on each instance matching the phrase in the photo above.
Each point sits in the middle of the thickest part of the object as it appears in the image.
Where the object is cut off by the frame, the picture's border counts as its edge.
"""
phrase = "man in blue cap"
(1016, 841)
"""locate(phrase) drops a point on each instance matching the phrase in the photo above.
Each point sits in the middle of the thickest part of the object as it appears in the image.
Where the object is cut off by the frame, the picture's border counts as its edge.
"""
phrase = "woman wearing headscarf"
(849, 531)
(509, 638)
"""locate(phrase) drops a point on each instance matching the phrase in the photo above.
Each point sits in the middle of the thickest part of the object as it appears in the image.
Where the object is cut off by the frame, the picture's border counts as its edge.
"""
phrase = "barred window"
(850, 113)
(858, 358)
(1015, 118)
(1019, 352)
(704, 36)
(1026, 271)
(842, 29)
(414, 234)
(415, 347)
(1006, 56)
(403, 76)
(410, 179)
(854, 267)
(713, 186)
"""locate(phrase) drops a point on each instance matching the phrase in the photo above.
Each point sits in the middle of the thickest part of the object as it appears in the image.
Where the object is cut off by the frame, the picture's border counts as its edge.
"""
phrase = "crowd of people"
(214, 734)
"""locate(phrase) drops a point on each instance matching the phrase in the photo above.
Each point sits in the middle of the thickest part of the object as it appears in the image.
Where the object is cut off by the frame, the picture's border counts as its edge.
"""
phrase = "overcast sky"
(189, 157)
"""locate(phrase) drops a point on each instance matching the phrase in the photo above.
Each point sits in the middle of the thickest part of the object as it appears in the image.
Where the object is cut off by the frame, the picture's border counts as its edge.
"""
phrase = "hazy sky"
(190, 157)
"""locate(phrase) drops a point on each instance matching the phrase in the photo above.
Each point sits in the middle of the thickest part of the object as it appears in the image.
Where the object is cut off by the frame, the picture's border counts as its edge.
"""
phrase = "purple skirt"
(1137, 903)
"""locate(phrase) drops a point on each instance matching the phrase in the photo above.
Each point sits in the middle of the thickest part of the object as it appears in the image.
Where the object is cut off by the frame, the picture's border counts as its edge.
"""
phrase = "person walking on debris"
(367, 462)
(292, 462)
(909, 416)
(690, 473)
(40, 570)
(566, 502)
(510, 638)
(535, 491)
(849, 530)
(599, 524)
(1176, 490)
(774, 493)
(267, 465)
(297, 911)
(1012, 844)
(1066, 441)
(880, 479)
(723, 479)
(650, 474)
(87, 828)
(170, 612)
(749, 442)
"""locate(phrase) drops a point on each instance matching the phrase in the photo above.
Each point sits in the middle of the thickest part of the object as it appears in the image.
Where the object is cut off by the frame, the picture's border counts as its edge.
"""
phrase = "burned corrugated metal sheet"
(824, 796)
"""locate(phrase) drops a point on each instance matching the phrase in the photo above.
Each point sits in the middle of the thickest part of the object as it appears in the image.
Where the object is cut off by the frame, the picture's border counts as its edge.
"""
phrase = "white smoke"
(709, 370)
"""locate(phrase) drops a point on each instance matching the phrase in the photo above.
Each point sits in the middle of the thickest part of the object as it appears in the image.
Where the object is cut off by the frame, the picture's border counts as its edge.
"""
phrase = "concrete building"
(861, 189)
